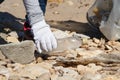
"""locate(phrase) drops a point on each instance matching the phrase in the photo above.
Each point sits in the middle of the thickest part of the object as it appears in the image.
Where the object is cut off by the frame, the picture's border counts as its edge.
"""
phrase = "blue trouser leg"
(43, 4)
(1, 1)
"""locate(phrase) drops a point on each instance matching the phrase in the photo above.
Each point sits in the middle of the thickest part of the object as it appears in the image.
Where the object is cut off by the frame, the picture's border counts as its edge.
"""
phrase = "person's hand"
(43, 37)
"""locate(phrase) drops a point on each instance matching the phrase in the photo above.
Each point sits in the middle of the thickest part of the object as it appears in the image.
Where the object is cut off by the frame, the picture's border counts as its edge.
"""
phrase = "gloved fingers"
(49, 44)
(54, 42)
(43, 44)
(38, 46)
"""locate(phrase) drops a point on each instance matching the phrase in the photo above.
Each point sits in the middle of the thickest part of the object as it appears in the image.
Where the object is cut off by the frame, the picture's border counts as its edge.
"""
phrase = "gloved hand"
(43, 36)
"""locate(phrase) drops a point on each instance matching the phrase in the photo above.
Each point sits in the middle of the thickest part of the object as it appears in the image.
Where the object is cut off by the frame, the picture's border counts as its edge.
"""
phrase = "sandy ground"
(66, 10)
(95, 59)
(69, 14)
(13, 7)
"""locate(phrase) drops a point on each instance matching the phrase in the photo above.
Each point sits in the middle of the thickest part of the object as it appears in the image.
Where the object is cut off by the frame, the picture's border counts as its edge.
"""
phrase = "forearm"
(33, 11)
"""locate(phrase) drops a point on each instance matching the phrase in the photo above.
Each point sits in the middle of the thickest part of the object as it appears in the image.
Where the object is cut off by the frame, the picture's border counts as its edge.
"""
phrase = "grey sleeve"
(33, 11)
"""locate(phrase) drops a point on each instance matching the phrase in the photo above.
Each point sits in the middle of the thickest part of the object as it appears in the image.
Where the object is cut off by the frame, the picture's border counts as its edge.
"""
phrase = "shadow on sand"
(82, 28)
(11, 23)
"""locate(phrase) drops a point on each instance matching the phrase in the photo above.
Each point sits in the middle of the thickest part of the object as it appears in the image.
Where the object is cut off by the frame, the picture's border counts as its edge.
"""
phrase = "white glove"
(43, 36)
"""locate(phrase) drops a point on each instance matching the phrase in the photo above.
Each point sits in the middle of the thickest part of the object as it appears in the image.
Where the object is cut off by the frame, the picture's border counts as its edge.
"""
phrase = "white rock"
(94, 67)
(96, 40)
(13, 34)
(33, 71)
(89, 53)
(60, 34)
(70, 3)
(12, 39)
(2, 63)
(90, 76)
(2, 57)
(45, 76)
(46, 65)
(67, 72)
(4, 71)
(111, 77)
(66, 78)
(84, 69)
(82, 36)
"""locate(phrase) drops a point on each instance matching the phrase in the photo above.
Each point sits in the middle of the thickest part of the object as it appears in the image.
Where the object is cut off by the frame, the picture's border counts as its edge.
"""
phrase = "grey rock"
(2, 57)
(2, 63)
(4, 71)
(45, 76)
(19, 52)
(65, 78)
(66, 73)
(14, 77)
(90, 76)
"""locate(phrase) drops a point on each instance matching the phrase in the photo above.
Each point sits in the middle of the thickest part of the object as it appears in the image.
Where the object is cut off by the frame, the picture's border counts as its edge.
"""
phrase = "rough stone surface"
(45, 76)
(2, 57)
(32, 71)
(14, 77)
(20, 52)
(96, 59)
(90, 76)
(13, 34)
(4, 71)
(12, 40)
(60, 34)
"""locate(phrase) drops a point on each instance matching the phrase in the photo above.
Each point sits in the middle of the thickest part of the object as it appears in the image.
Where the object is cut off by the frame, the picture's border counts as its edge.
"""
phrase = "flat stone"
(33, 71)
(4, 71)
(19, 52)
(12, 39)
(13, 34)
(2, 57)
(60, 34)
(65, 78)
(45, 76)
(14, 77)
(70, 3)
(66, 73)
(90, 76)
(2, 63)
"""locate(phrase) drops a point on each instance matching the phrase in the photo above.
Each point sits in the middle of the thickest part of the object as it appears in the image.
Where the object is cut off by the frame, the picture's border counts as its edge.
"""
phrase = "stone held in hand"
(68, 43)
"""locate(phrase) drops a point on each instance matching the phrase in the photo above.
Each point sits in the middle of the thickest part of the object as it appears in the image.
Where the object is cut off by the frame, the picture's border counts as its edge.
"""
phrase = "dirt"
(96, 59)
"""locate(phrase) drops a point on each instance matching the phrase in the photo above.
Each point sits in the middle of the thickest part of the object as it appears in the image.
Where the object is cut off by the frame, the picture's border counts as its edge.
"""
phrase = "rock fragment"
(2, 57)
(12, 40)
(32, 71)
(5, 72)
(90, 76)
(19, 52)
